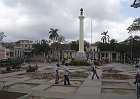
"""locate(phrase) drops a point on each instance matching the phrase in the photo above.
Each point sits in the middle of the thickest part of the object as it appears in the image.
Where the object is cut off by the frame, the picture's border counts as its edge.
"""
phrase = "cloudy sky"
(32, 19)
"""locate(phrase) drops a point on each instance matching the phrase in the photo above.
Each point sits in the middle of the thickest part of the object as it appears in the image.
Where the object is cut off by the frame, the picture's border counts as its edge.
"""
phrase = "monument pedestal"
(81, 55)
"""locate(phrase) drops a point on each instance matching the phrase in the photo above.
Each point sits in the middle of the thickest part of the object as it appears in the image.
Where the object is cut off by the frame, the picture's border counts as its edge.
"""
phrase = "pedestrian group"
(66, 74)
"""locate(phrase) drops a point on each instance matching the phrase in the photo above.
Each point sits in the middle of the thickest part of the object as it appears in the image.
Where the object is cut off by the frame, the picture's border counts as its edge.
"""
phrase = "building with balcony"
(23, 48)
(26, 44)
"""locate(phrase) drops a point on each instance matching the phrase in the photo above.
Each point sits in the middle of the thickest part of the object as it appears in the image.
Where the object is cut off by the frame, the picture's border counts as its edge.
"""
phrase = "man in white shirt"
(66, 74)
(56, 73)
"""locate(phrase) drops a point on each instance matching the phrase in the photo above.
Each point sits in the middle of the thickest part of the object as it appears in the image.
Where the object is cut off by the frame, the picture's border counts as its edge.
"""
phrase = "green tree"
(74, 45)
(130, 46)
(103, 46)
(135, 26)
(53, 34)
(136, 46)
(41, 47)
(113, 44)
(86, 45)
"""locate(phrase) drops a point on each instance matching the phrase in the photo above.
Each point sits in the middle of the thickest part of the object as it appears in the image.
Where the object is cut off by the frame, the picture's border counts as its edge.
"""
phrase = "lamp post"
(136, 4)
(131, 49)
(124, 58)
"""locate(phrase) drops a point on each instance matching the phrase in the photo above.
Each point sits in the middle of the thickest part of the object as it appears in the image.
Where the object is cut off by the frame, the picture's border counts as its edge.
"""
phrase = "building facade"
(111, 56)
(94, 53)
(7, 53)
(2, 52)
(23, 48)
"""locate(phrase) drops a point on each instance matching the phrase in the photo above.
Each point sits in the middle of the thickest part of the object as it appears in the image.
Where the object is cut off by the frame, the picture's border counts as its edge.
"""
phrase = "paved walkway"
(90, 89)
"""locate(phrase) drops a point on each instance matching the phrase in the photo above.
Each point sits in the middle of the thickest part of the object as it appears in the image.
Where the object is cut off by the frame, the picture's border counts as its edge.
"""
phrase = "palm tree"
(105, 38)
(53, 34)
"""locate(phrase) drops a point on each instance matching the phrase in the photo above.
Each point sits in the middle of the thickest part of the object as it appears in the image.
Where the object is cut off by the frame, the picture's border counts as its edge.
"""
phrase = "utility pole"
(124, 58)
(91, 31)
(131, 49)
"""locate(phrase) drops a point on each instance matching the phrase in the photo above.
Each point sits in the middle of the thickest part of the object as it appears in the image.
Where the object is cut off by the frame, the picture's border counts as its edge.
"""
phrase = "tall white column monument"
(81, 55)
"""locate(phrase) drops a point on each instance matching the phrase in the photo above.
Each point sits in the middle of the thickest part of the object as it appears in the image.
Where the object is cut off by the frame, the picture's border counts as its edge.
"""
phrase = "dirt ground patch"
(10, 95)
(116, 76)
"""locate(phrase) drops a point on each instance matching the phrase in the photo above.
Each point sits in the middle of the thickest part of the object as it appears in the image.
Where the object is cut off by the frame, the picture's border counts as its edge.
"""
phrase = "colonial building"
(112, 56)
(8, 49)
(94, 53)
(23, 48)
(19, 49)
(2, 52)
(7, 53)
(58, 51)
(69, 54)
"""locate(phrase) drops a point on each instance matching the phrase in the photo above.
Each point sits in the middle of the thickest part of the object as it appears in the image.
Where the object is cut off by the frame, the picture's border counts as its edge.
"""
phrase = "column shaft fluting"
(81, 34)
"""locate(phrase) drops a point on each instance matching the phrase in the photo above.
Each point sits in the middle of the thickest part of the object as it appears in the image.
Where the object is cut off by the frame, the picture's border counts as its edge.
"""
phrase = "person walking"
(94, 67)
(66, 74)
(57, 73)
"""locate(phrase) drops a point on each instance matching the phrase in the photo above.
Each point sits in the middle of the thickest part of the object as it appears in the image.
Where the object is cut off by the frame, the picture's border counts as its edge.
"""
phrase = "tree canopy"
(41, 47)
(135, 26)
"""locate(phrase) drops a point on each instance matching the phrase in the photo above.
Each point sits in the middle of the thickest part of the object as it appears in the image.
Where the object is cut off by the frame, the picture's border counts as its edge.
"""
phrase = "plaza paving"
(80, 88)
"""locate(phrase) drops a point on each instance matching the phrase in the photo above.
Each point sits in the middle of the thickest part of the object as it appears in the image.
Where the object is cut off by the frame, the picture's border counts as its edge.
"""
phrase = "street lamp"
(136, 4)
(131, 49)
(124, 58)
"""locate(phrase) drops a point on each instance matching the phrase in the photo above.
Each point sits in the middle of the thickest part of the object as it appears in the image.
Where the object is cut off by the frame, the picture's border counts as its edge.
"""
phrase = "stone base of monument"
(81, 56)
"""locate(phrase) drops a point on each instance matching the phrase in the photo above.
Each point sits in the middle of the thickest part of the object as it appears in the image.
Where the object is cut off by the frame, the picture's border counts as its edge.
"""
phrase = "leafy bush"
(10, 62)
(79, 63)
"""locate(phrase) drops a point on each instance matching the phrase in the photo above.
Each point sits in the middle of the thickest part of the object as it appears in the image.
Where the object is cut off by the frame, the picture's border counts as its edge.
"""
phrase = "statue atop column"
(81, 11)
